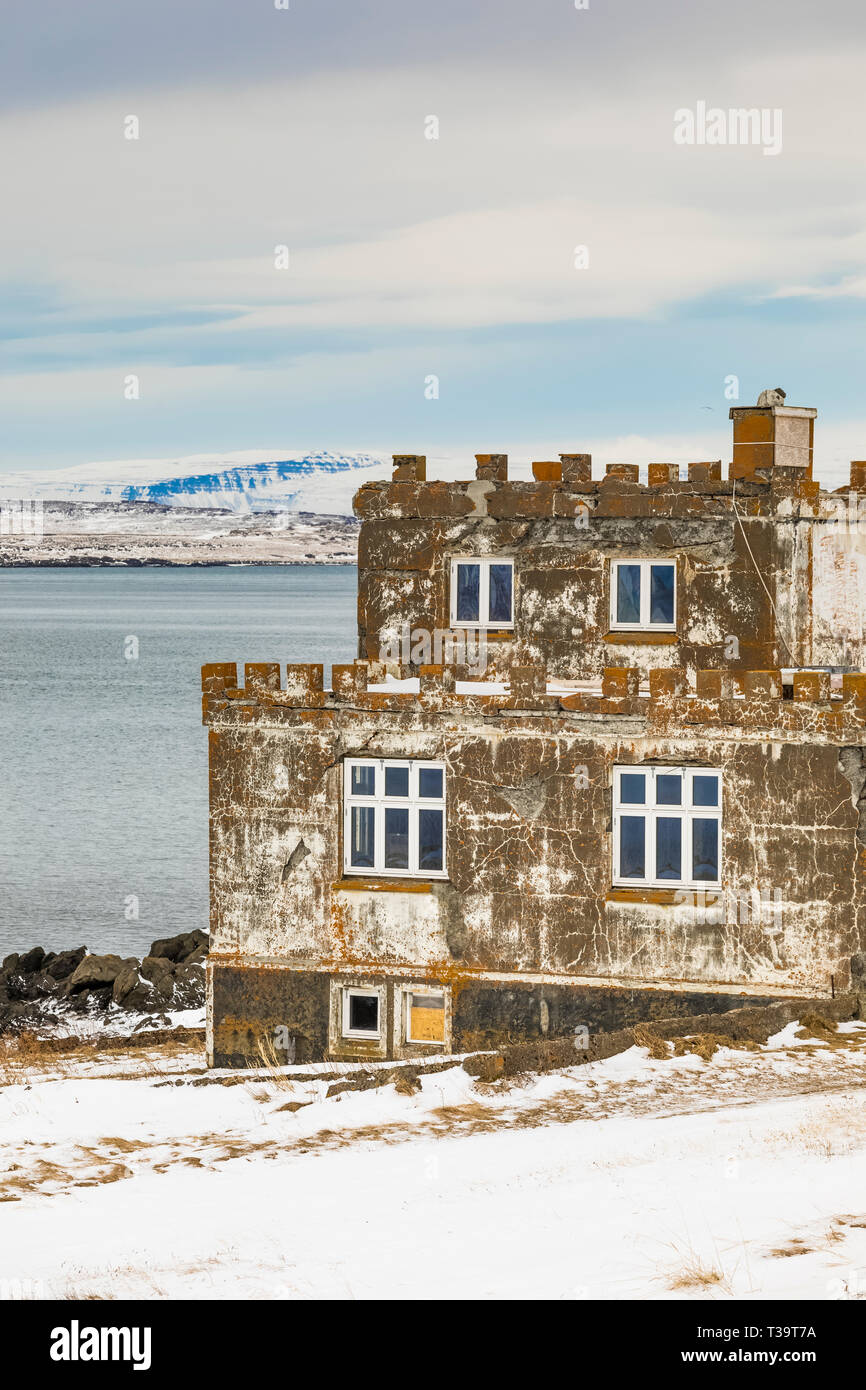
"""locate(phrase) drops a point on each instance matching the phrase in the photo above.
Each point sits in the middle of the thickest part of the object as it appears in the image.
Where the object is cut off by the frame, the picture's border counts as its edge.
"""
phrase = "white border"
(644, 625)
(484, 561)
(650, 811)
(413, 803)
(367, 991)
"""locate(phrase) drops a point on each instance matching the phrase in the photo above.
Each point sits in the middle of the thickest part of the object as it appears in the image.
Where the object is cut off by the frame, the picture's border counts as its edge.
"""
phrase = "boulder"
(64, 963)
(94, 972)
(188, 992)
(39, 985)
(126, 980)
(10, 963)
(30, 961)
(179, 948)
(157, 970)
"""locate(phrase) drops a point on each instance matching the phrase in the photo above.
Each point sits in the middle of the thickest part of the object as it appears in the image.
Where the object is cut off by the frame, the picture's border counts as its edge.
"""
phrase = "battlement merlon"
(668, 699)
(772, 452)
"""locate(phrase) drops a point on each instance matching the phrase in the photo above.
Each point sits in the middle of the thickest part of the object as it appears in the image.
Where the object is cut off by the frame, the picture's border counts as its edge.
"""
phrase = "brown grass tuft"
(697, 1275)
(645, 1037)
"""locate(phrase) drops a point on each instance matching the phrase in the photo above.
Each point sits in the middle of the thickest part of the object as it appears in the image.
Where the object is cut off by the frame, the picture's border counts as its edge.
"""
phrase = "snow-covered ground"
(142, 532)
(139, 1174)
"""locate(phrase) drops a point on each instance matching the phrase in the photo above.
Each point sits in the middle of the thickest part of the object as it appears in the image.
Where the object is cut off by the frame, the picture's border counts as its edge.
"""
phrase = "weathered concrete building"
(600, 759)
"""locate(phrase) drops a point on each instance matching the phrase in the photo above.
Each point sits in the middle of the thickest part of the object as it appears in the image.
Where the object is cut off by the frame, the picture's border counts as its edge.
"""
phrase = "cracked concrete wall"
(839, 581)
(529, 854)
(741, 555)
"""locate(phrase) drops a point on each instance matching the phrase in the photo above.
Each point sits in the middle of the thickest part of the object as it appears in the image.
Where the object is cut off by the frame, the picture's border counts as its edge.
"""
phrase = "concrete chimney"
(772, 436)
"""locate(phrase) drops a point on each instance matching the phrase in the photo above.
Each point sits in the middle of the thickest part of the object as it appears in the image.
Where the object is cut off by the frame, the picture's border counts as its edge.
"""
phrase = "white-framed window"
(667, 826)
(424, 1014)
(394, 817)
(643, 595)
(362, 1012)
(482, 592)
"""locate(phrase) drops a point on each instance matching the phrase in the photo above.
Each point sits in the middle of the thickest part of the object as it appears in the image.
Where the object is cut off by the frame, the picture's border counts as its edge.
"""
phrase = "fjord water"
(103, 757)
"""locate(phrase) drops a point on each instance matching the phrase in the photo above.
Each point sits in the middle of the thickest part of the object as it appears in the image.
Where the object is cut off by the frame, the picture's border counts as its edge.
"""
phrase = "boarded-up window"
(425, 1021)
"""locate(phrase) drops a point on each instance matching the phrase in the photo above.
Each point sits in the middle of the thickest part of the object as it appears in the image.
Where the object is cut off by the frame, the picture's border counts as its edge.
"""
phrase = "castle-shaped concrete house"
(600, 759)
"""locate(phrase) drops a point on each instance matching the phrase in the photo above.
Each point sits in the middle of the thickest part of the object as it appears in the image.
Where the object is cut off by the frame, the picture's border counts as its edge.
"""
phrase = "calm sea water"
(103, 758)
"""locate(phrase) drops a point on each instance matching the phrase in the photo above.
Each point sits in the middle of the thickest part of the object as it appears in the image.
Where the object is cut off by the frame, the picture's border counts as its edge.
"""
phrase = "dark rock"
(179, 948)
(13, 1014)
(63, 964)
(126, 980)
(189, 983)
(157, 970)
(30, 961)
(36, 986)
(93, 973)
(99, 998)
(10, 963)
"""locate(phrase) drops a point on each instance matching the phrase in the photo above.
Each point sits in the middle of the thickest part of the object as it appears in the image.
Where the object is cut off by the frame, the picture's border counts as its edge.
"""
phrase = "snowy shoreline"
(74, 992)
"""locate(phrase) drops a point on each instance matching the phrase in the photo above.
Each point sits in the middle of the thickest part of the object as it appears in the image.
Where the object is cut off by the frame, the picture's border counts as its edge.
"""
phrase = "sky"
(492, 240)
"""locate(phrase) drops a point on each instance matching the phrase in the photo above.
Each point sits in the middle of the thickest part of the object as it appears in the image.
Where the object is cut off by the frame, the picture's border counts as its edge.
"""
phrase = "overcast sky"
(412, 258)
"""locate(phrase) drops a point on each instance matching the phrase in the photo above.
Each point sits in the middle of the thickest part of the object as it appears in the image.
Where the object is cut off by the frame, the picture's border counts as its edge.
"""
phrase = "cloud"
(158, 254)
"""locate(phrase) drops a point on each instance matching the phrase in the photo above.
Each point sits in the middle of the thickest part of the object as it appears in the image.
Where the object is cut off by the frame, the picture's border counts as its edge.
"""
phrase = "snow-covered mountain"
(251, 481)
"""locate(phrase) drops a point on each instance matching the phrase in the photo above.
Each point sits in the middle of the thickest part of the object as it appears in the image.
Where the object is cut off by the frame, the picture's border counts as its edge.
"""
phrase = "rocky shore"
(40, 989)
(142, 533)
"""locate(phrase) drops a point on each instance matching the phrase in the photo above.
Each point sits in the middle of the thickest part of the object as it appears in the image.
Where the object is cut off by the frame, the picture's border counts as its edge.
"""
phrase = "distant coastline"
(138, 534)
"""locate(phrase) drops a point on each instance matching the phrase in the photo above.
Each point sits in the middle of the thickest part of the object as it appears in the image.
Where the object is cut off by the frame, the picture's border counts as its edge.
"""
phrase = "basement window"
(643, 595)
(667, 826)
(425, 1017)
(394, 818)
(361, 1013)
(482, 593)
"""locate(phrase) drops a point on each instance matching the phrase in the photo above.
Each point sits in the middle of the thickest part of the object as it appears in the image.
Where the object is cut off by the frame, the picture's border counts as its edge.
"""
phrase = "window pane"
(661, 594)
(705, 850)
(705, 791)
(430, 781)
(468, 592)
(628, 593)
(396, 838)
(669, 789)
(396, 781)
(430, 839)
(363, 837)
(364, 1013)
(632, 788)
(632, 859)
(669, 847)
(500, 593)
(363, 781)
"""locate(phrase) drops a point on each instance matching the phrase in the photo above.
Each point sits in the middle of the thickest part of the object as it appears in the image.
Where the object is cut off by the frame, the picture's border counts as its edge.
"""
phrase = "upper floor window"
(643, 595)
(482, 593)
(394, 817)
(667, 826)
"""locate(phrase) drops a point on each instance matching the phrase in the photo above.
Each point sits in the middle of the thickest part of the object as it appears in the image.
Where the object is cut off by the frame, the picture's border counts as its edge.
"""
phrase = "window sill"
(664, 897)
(493, 634)
(384, 885)
(640, 637)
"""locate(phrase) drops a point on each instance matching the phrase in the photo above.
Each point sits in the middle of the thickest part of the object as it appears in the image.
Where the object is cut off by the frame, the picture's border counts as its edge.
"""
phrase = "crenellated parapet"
(667, 698)
(565, 488)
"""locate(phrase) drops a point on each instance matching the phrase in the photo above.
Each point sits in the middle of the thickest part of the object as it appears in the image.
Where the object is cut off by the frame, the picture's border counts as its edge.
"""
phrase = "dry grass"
(26, 1057)
(816, 1026)
(696, 1274)
(644, 1037)
(793, 1247)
